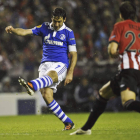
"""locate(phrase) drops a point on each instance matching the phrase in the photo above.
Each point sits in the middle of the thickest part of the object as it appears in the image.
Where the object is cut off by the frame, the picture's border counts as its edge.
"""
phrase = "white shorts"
(59, 67)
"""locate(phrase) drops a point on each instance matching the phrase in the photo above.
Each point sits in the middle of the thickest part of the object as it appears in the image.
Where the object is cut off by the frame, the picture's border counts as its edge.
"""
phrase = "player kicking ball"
(124, 42)
(57, 40)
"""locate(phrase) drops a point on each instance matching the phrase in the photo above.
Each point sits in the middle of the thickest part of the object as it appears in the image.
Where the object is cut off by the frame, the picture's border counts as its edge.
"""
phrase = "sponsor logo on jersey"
(47, 37)
(47, 41)
(38, 26)
(62, 36)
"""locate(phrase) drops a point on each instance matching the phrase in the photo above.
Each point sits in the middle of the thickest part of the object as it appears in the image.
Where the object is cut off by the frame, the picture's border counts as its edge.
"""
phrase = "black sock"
(133, 105)
(98, 108)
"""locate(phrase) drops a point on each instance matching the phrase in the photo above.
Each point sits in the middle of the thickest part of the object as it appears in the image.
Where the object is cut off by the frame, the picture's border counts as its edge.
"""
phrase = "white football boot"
(81, 132)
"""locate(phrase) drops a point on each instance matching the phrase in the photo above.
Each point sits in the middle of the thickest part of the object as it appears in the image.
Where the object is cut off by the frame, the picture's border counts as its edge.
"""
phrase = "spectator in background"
(84, 95)
(6, 85)
(5, 64)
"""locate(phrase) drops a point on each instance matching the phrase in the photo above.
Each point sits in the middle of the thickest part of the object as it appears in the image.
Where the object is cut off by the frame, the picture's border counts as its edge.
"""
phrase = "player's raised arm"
(18, 31)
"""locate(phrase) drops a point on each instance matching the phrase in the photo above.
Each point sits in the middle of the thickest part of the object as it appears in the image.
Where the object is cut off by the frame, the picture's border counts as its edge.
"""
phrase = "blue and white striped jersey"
(55, 43)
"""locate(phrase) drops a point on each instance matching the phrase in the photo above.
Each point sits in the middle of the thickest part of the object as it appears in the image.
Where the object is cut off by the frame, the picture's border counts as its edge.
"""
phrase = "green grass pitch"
(110, 126)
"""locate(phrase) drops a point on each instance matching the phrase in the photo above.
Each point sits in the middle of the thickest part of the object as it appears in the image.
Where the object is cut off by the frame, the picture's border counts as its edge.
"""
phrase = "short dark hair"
(128, 10)
(60, 12)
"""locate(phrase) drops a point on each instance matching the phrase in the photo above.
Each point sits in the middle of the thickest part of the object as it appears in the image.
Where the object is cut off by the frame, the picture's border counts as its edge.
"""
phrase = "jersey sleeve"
(37, 30)
(115, 34)
(71, 39)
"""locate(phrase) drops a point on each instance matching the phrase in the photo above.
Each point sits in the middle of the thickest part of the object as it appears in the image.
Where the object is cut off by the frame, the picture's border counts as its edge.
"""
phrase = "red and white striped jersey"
(127, 35)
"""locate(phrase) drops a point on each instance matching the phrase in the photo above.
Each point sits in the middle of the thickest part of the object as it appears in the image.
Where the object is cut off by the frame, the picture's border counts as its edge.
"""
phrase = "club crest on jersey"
(62, 36)
(52, 42)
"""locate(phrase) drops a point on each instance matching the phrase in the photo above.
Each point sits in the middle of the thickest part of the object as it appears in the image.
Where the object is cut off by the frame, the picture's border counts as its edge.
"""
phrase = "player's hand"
(68, 79)
(9, 29)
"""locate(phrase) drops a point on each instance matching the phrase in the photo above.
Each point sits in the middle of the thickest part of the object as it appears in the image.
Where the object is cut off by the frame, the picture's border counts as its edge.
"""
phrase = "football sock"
(56, 109)
(99, 106)
(41, 82)
(132, 105)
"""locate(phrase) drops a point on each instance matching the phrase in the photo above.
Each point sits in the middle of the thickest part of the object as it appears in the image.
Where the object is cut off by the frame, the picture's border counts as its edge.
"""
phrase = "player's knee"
(53, 75)
(127, 104)
(101, 91)
(104, 93)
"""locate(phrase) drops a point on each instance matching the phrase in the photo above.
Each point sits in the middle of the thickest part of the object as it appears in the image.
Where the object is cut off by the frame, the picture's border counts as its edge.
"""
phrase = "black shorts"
(127, 78)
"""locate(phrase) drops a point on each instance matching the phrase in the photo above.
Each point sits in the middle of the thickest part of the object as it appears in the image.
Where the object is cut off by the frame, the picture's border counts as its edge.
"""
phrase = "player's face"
(57, 22)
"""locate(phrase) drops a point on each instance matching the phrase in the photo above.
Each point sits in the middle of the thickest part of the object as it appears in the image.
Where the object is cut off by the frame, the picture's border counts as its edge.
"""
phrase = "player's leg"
(98, 108)
(129, 100)
(45, 81)
(48, 75)
(128, 87)
(99, 105)
(39, 83)
(47, 94)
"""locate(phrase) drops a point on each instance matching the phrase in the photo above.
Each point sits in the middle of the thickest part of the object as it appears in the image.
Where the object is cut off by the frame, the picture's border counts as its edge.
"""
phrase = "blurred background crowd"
(91, 21)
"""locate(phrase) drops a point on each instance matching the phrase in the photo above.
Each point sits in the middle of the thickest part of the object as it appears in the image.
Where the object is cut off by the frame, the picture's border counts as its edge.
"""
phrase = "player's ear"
(65, 19)
(121, 16)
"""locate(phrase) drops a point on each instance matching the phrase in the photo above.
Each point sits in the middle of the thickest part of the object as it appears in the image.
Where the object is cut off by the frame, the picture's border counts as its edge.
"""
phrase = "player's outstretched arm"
(113, 50)
(73, 61)
(18, 31)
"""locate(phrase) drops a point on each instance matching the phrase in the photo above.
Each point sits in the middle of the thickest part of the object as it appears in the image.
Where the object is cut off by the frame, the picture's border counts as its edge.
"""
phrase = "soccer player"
(58, 40)
(124, 41)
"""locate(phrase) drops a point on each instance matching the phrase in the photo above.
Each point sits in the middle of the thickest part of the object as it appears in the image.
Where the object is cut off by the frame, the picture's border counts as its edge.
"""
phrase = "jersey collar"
(63, 27)
(51, 26)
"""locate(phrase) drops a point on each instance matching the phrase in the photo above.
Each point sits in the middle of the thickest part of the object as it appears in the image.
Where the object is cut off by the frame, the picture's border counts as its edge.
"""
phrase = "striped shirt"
(127, 35)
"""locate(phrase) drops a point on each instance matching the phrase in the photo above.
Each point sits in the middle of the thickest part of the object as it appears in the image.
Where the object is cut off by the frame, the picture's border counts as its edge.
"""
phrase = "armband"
(72, 48)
